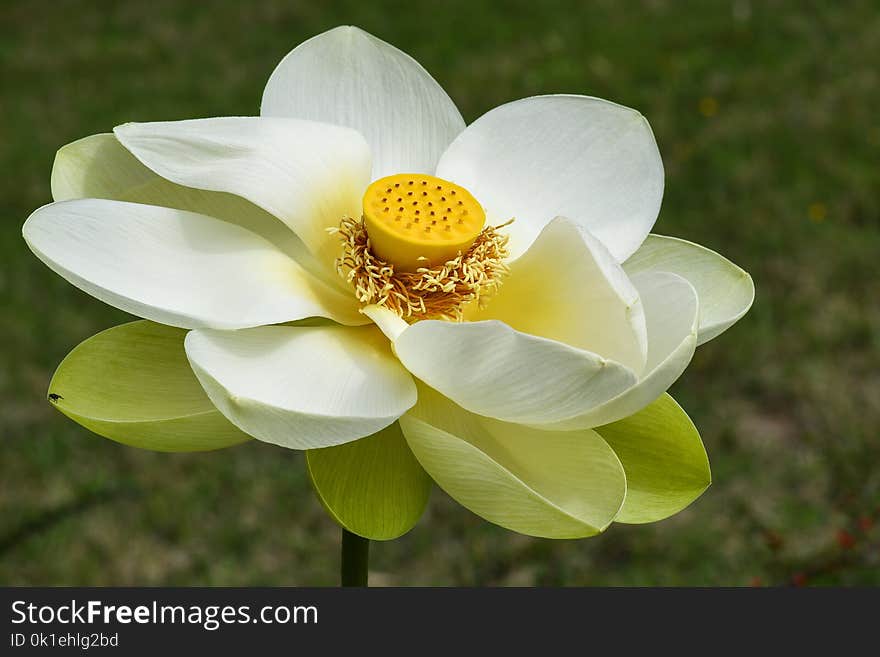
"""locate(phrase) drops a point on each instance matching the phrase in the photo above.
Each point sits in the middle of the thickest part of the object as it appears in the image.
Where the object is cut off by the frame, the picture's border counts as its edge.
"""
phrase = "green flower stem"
(355, 558)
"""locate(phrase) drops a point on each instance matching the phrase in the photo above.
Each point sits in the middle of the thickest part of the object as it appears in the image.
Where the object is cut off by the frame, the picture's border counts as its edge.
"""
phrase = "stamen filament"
(440, 292)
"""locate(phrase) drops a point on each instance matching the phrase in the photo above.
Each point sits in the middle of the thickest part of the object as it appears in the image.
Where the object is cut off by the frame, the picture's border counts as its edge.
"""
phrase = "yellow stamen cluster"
(440, 292)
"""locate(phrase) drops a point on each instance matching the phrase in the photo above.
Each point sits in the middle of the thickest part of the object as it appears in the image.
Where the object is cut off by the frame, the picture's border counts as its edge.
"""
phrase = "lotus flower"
(358, 274)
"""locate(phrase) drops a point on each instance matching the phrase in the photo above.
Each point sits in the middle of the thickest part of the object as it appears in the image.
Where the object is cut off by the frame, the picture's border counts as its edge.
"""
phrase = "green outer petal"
(664, 459)
(133, 384)
(374, 487)
(539, 483)
(725, 291)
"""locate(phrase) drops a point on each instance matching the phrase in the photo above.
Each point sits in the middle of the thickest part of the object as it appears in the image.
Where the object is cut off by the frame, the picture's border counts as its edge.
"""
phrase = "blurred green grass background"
(765, 113)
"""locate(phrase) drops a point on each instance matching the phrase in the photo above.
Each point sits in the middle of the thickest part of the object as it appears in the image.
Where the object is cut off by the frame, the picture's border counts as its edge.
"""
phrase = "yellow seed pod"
(415, 220)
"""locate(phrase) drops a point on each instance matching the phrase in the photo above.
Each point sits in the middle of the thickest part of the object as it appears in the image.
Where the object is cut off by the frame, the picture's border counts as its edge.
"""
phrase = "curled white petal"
(307, 174)
(491, 369)
(568, 287)
(672, 313)
(302, 387)
(177, 267)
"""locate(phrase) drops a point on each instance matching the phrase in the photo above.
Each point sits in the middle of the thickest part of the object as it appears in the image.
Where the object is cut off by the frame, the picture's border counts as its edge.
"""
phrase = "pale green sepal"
(664, 459)
(725, 291)
(133, 384)
(540, 483)
(374, 487)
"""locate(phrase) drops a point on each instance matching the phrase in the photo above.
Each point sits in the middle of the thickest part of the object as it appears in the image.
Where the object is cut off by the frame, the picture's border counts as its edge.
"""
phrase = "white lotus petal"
(348, 77)
(389, 322)
(490, 369)
(568, 287)
(672, 314)
(307, 174)
(584, 158)
(176, 267)
(540, 483)
(726, 292)
(98, 166)
(302, 387)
